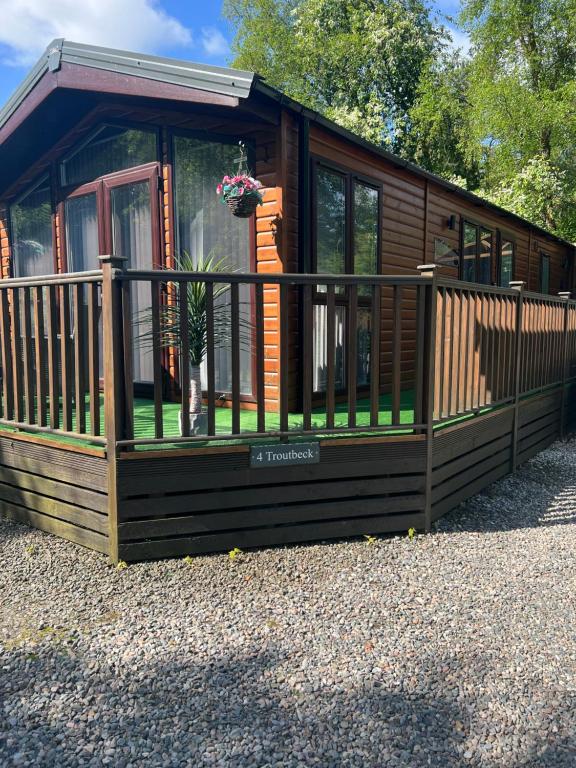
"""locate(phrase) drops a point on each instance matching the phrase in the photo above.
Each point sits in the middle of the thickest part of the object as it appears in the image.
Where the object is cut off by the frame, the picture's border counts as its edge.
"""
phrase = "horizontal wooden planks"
(290, 534)
(468, 458)
(57, 491)
(219, 502)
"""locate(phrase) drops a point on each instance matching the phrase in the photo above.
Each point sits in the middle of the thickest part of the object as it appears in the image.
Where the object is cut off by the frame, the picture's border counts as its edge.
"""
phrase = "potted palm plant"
(170, 335)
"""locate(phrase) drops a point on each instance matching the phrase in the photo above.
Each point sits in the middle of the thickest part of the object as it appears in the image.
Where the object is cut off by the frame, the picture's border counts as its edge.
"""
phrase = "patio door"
(118, 214)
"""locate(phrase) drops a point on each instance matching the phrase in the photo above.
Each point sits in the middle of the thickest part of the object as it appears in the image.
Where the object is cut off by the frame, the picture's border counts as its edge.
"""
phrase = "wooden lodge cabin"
(108, 152)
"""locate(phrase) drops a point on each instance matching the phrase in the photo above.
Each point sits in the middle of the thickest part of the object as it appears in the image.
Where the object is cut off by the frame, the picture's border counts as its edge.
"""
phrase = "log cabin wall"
(415, 212)
(4, 243)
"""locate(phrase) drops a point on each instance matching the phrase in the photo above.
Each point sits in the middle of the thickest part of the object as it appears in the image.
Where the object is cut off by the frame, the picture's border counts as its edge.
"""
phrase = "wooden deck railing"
(50, 350)
(306, 354)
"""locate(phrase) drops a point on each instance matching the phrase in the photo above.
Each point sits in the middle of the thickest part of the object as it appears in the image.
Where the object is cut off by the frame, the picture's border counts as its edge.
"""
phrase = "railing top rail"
(546, 297)
(93, 276)
(272, 277)
(451, 282)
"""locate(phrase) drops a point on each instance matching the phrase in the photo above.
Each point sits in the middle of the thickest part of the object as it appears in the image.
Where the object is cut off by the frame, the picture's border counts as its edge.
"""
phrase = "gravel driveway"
(452, 649)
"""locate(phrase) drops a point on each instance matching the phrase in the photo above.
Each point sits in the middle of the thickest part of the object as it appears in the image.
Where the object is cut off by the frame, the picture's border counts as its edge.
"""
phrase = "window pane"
(112, 149)
(485, 267)
(469, 253)
(82, 233)
(330, 222)
(544, 274)
(207, 229)
(506, 263)
(320, 373)
(365, 233)
(364, 338)
(31, 220)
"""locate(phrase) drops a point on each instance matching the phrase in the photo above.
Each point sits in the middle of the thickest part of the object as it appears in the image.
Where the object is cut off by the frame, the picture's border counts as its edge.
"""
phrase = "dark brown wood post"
(519, 285)
(429, 271)
(565, 296)
(114, 406)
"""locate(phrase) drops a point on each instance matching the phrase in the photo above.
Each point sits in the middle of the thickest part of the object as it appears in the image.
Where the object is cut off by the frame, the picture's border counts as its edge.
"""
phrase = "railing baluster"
(29, 414)
(66, 362)
(260, 359)
(79, 378)
(38, 304)
(127, 357)
(330, 355)
(16, 353)
(184, 357)
(451, 350)
(53, 390)
(352, 353)
(235, 337)
(93, 358)
(7, 375)
(210, 366)
(157, 360)
(466, 304)
(284, 357)
(397, 355)
(375, 356)
(307, 356)
(442, 341)
(420, 384)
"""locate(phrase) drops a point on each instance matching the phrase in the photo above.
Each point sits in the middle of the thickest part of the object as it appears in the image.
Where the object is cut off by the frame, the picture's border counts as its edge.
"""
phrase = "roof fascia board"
(200, 77)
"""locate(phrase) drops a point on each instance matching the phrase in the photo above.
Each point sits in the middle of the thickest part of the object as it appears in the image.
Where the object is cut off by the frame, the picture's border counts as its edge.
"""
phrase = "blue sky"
(191, 29)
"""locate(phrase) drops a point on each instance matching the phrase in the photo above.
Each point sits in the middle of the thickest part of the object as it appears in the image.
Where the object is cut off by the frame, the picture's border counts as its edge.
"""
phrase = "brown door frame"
(102, 187)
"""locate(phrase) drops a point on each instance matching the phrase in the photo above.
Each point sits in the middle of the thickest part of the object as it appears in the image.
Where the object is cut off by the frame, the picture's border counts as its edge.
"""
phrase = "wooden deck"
(489, 383)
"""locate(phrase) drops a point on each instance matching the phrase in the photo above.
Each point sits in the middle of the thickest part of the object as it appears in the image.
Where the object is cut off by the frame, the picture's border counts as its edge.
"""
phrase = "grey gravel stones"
(455, 649)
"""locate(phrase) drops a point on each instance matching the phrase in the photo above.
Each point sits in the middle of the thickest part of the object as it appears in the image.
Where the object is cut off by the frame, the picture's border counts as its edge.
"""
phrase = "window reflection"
(506, 263)
(31, 221)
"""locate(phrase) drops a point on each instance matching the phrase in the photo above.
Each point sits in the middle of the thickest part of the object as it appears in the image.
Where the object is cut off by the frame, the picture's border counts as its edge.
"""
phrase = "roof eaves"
(221, 80)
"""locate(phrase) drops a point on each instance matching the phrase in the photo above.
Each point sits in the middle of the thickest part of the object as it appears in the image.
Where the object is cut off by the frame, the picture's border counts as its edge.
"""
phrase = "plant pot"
(197, 415)
(242, 206)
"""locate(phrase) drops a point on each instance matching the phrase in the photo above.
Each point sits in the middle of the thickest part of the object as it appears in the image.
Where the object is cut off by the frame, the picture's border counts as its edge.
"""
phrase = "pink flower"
(219, 189)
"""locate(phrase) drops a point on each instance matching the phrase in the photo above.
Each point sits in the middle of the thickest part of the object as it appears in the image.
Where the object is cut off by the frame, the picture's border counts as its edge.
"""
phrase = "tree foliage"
(501, 120)
(358, 62)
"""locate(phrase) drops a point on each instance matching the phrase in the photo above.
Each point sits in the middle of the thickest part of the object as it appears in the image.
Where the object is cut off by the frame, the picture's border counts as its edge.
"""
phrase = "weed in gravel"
(234, 553)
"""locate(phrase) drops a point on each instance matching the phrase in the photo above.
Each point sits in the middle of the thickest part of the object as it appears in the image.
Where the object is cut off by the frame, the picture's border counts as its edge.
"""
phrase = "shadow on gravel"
(175, 713)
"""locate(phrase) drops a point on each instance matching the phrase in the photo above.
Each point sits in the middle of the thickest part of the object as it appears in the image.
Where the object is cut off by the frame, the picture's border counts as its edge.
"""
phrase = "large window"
(477, 250)
(347, 224)
(112, 148)
(507, 248)
(31, 222)
(206, 229)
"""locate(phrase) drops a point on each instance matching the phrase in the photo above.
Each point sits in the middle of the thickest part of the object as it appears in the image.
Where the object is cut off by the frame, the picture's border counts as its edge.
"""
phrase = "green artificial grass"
(144, 422)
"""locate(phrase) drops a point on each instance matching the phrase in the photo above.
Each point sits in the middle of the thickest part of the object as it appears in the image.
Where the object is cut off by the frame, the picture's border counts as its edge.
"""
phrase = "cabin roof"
(225, 82)
(222, 80)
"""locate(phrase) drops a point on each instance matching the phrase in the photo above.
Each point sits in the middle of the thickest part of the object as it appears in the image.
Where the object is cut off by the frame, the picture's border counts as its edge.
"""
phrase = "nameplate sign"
(284, 455)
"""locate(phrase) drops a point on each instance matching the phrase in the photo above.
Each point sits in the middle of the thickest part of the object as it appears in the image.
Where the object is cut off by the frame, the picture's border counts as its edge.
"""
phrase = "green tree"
(358, 62)
(521, 96)
(439, 121)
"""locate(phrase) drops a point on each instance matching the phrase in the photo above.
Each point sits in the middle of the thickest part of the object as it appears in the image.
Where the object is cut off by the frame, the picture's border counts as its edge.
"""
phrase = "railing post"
(429, 271)
(565, 296)
(113, 360)
(519, 285)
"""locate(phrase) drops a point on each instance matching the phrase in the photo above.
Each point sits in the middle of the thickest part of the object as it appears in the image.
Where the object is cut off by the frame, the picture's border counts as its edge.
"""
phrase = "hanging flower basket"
(243, 206)
(241, 193)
